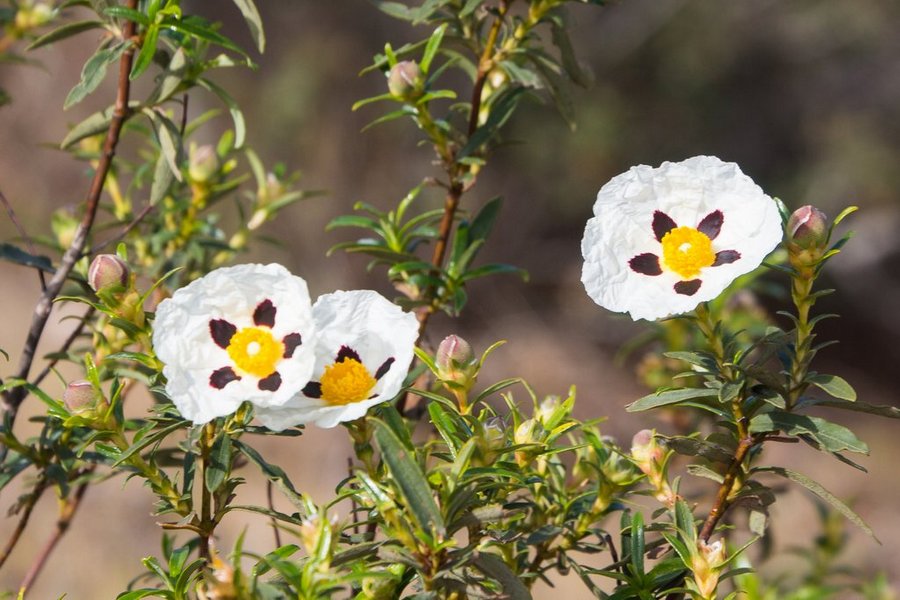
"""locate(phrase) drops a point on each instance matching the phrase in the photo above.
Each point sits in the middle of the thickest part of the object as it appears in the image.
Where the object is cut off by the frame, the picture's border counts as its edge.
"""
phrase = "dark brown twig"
(12, 399)
(24, 235)
(67, 513)
(36, 494)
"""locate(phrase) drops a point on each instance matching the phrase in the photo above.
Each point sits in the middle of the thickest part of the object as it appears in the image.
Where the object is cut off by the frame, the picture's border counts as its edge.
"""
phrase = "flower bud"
(107, 270)
(32, 15)
(405, 80)
(706, 564)
(204, 163)
(807, 227)
(455, 360)
(80, 397)
(645, 451)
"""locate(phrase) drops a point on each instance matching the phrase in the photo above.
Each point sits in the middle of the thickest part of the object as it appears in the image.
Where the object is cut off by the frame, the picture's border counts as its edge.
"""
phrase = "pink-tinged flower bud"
(808, 227)
(645, 451)
(80, 397)
(107, 270)
(204, 163)
(456, 361)
(405, 80)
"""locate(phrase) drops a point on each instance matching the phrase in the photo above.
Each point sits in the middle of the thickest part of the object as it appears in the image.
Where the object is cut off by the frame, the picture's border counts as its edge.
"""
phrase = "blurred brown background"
(804, 95)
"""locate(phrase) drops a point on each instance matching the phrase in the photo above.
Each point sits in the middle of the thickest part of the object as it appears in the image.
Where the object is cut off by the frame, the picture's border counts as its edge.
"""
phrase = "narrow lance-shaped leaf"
(822, 493)
(254, 22)
(94, 72)
(410, 480)
(670, 397)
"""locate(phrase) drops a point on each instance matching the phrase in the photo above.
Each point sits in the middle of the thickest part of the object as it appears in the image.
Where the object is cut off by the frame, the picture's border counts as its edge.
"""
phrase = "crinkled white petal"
(182, 339)
(372, 326)
(686, 191)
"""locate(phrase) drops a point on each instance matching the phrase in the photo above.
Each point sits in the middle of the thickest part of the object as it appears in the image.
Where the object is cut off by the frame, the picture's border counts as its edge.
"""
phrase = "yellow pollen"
(346, 382)
(685, 251)
(255, 351)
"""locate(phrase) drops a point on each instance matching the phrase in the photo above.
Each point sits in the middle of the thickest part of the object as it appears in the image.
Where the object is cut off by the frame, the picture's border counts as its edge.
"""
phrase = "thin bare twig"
(125, 231)
(24, 235)
(67, 513)
(13, 398)
(36, 494)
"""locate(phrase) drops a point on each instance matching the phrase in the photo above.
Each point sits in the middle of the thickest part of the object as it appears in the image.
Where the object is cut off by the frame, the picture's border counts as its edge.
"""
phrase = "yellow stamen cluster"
(255, 351)
(346, 382)
(686, 251)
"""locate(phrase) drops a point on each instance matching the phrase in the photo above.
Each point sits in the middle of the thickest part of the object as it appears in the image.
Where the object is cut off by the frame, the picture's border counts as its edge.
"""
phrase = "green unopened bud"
(80, 397)
(808, 227)
(107, 270)
(204, 163)
(405, 80)
(455, 360)
(706, 565)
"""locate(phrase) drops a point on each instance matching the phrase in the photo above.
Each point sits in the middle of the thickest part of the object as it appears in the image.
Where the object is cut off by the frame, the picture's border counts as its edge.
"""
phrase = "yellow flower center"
(255, 351)
(346, 382)
(685, 251)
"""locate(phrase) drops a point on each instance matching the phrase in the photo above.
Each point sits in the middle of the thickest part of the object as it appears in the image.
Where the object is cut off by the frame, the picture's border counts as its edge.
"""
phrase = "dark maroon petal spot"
(221, 332)
(264, 314)
(291, 341)
(711, 224)
(687, 288)
(347, 352)
(270, 383)
(646, 264)
(222, 377)
(726, 257)
(313, 389)
(662, 224)
(384, 368)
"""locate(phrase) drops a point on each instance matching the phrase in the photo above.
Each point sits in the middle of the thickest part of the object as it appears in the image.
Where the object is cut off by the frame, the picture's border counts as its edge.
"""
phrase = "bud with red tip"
(107, 270)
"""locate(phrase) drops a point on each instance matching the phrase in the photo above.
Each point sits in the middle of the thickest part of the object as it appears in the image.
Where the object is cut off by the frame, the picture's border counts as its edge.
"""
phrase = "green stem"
(801, 293)
(207, 524)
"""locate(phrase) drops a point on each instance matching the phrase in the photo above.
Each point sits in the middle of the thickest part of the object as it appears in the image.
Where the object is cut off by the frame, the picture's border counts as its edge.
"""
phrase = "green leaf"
(237, 117)
(18, 256)
(494, 567)
(831, 436)
(500, 111)
(148, 50)
(834, 386)
(881, 410)
(200, 29)
(668, 397)
(409, 479)
(637, 543)
(822, 493)
(219, 465)
(162, 179)
(149, 440)
(169, 137)
(94, 72)
(573, 68)
(431, 48)
(274, 473)
(123, 12)
(61, 33)
(94, 124)
(254, 23)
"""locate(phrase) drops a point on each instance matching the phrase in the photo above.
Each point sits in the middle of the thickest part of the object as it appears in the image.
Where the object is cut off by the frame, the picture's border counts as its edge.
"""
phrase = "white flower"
(363, 351)
(239, 333)
(663, 240)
